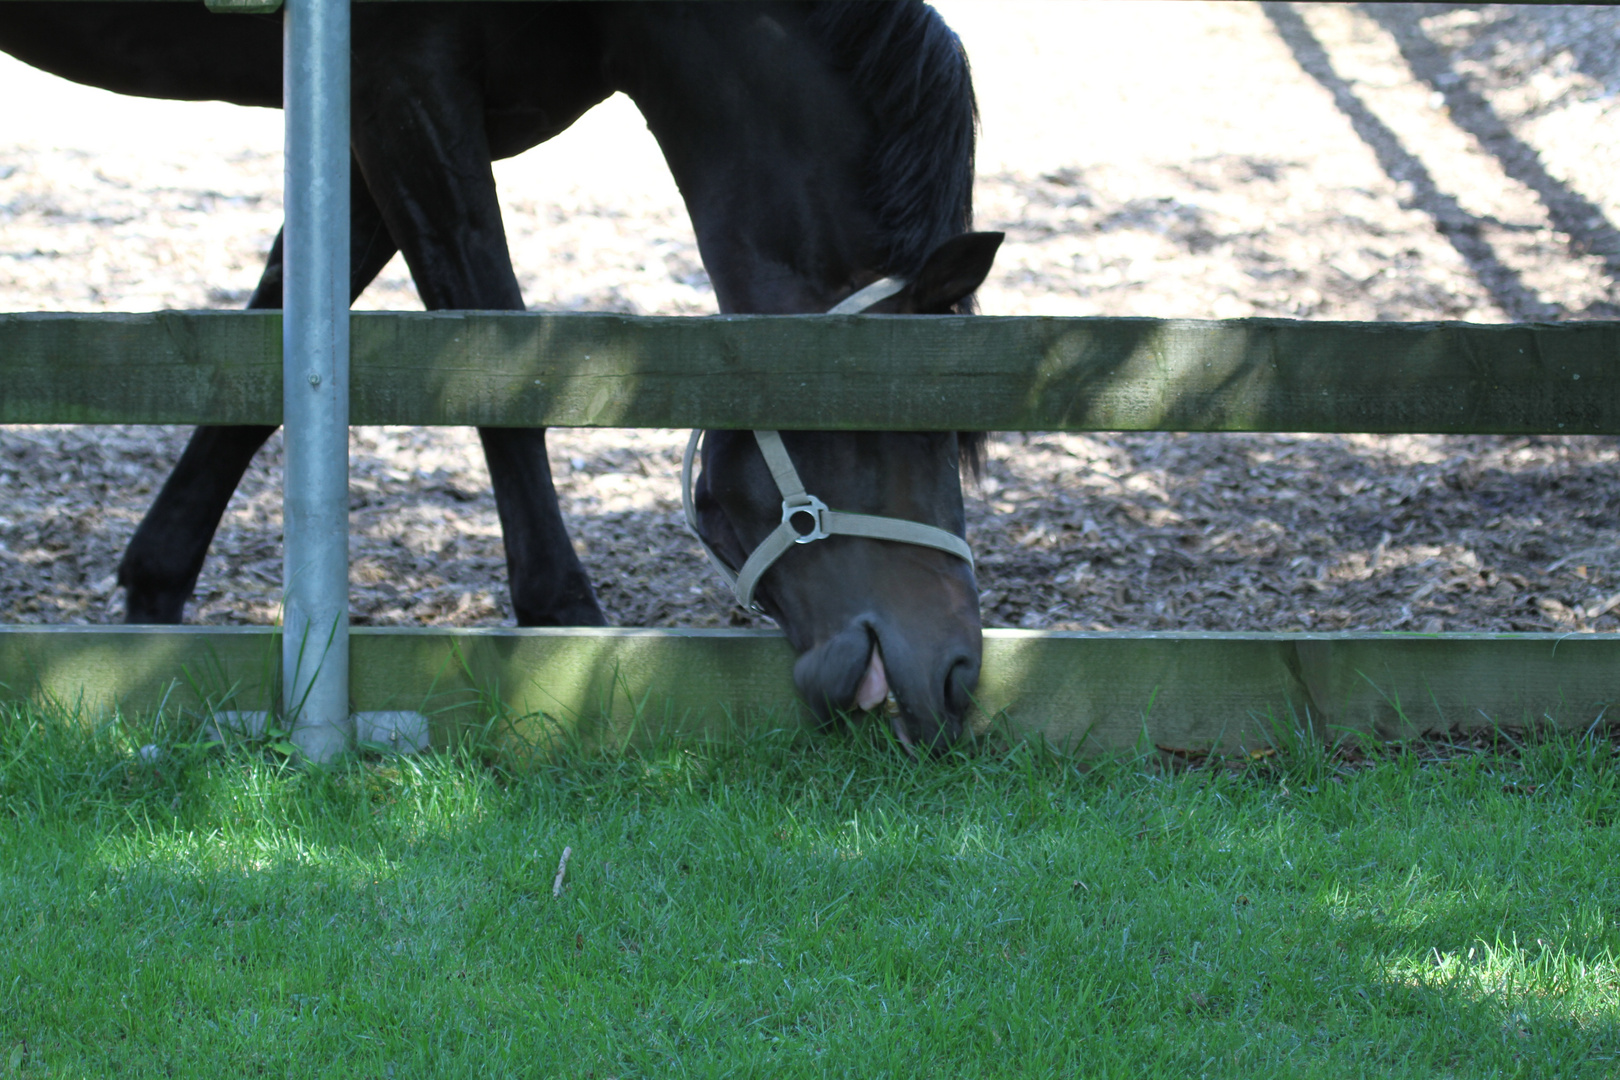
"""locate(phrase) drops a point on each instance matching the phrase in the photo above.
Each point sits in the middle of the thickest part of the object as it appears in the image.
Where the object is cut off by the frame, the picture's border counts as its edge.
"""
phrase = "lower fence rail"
(1090, 692)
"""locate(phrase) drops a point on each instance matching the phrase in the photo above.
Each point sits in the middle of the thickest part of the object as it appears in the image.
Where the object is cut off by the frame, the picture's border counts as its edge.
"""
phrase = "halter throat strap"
(805, 518)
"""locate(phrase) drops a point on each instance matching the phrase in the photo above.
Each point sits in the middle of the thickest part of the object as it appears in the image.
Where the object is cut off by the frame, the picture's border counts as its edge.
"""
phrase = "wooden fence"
(1088, 690)
(1082, 690)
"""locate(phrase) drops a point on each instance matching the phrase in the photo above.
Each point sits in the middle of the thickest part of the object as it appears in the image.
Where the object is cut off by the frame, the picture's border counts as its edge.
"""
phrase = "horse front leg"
(549, 585)
(160, 566)
(426, 156)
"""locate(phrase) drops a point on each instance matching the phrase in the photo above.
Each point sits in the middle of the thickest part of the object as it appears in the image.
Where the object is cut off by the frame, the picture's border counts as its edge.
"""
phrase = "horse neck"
(767, 143)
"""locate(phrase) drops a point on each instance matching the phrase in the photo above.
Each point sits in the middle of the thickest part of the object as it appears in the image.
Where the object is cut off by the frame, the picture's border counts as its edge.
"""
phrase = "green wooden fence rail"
(1091, 692)
(856, 372)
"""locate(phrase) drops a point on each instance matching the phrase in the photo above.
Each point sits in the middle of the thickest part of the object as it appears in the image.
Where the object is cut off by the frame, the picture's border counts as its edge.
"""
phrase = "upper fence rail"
(836, 373)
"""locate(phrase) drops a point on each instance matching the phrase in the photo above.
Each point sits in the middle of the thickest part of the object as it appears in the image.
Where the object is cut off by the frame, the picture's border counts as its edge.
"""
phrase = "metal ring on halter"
(817, 511)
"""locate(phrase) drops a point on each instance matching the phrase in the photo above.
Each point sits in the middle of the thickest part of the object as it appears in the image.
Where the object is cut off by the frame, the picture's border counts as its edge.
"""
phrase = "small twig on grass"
(562, 869)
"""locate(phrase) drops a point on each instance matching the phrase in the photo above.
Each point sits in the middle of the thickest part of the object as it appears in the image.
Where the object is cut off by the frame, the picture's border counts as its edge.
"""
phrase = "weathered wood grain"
(846, 372)
(157, 368)
(1091, 692)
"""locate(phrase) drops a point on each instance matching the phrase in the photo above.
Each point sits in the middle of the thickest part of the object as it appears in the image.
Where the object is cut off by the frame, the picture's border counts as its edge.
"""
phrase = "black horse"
(819, 148)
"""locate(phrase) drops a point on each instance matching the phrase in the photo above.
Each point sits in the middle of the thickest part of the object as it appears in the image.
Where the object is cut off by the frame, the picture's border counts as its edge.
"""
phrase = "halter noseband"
(805, 518)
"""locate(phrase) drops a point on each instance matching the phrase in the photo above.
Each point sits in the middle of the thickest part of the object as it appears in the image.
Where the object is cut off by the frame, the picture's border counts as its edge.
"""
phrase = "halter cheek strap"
(805, 518)
(875, 293)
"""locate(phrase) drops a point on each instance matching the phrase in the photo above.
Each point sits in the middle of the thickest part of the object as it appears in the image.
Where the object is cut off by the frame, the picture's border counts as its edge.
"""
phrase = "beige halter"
(805, 518)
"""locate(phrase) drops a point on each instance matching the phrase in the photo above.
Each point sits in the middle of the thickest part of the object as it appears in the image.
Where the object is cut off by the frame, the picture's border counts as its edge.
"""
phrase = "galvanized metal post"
(315, 364)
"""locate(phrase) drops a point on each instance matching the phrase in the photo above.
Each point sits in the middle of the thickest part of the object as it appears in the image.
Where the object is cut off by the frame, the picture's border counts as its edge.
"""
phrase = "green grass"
(789, 905)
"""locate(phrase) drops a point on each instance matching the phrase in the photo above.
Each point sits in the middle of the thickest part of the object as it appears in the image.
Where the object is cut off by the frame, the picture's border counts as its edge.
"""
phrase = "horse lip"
(908, 725)
(900, 723)
(897, 724)
(874, 693)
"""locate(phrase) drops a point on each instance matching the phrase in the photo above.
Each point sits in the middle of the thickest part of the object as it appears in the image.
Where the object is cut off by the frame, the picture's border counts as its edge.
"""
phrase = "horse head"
(885, 617)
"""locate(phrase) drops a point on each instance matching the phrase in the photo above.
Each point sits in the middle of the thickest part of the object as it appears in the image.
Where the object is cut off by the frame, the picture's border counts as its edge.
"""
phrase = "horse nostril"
(961, 676)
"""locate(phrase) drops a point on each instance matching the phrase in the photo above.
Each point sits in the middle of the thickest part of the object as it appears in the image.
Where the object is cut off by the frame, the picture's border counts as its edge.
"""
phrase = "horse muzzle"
(920, 682)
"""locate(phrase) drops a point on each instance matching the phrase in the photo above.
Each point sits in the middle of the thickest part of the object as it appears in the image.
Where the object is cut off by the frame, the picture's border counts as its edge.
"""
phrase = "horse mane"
(912, 71)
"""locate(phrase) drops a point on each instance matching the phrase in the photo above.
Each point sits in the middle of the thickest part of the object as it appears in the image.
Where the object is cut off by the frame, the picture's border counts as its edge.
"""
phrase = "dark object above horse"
(819, 148)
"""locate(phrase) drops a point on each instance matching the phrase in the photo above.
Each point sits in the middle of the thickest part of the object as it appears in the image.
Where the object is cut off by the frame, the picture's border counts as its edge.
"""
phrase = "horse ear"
(950, 274)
